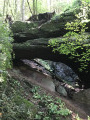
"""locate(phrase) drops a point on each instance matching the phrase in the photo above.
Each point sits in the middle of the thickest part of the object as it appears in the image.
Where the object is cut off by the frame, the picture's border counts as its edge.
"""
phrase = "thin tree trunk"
(23, 10)
(15, 11)
(29, 7)
(7, 3)
(36, 7)
(4, 8)
(33, 7)
(50, 5)
(10, 8)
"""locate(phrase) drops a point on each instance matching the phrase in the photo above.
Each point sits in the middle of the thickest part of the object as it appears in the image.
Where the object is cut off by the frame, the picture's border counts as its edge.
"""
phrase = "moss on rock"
(20, 26)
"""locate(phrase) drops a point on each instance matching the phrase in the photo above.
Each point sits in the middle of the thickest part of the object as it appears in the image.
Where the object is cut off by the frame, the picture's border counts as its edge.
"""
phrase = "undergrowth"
(75, 43)
(50, 108)
(13, 104)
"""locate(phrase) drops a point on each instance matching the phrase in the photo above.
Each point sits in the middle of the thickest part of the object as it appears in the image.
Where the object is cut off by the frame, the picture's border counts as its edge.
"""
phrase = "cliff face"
(31, 41)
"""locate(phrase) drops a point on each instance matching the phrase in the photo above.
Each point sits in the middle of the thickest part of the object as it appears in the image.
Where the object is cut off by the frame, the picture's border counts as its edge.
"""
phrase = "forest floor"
(34, 77)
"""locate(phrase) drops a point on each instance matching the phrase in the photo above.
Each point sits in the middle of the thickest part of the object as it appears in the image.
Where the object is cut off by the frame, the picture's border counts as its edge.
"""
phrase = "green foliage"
(86, 1)
(74, 43)
(42, 6)
(13, 8)
(5, 49)
(61, 6)
(54, 108)
(76, 3)
(13, 105)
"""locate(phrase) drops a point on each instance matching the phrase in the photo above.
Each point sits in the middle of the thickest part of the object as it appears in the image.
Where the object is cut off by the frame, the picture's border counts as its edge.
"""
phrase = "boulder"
(64, 73)
(61, 90)
(59, 71)
(48, 84)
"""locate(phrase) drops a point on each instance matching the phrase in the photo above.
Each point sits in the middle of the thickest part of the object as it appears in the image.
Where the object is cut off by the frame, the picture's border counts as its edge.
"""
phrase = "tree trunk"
(33, 7)
(50, 4)
(15, 11)
(29, 7)
(36, 7)
(23, 10)
(4, 8)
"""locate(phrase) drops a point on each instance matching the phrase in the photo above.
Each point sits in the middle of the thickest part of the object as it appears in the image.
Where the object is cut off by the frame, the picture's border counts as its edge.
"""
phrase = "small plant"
(52, 107)
(74, 43)
(36, 95)
(35, 89)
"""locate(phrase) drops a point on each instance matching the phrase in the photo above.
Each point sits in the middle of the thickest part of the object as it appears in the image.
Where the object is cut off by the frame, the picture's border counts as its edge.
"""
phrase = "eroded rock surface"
(83, 98)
